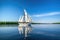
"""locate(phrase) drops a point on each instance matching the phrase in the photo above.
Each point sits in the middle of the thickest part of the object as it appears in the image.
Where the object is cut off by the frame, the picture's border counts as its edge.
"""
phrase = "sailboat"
(25, 20)
(25, 24)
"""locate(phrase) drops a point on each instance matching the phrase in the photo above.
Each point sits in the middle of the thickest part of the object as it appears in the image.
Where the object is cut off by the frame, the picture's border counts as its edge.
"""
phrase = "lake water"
(39, 32)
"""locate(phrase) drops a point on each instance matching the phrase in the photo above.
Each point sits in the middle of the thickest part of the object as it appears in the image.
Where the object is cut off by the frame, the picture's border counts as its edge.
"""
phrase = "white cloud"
(46, 14)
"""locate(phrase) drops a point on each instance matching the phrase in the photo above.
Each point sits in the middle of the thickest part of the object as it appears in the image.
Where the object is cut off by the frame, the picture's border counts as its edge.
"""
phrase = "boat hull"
(24, 24)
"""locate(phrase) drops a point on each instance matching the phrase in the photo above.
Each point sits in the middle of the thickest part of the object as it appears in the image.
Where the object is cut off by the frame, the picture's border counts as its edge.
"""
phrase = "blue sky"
(44, 11)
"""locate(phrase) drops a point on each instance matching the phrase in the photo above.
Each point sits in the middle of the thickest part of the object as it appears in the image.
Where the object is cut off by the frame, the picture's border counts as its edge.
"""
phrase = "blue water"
(39, 32)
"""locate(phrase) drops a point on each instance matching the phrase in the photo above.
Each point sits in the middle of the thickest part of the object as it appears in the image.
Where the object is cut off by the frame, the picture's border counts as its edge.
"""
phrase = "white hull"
(24, 24)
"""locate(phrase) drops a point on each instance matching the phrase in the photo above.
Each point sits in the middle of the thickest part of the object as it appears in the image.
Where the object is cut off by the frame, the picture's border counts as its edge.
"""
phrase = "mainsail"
(25, 18)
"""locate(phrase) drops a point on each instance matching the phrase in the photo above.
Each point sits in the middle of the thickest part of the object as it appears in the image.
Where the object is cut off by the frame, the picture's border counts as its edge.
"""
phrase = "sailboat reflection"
(25, 24)
(25, 30)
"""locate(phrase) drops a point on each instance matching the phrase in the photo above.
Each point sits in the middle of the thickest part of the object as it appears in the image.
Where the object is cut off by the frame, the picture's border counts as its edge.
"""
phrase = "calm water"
(39, 32)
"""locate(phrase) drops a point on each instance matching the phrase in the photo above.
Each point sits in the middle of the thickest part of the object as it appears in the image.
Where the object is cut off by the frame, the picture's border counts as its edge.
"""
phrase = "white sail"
(25, 18)
(22, 19)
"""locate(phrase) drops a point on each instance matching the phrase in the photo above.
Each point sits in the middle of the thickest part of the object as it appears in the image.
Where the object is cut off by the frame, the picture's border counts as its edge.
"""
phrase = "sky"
(44, 11)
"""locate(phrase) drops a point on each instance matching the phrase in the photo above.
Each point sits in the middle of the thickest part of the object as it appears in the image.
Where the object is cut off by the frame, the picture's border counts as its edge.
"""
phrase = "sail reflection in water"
(25, 30)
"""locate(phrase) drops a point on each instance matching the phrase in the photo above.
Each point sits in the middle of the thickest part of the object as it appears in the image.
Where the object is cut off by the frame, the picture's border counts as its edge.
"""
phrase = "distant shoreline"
(17, 23)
